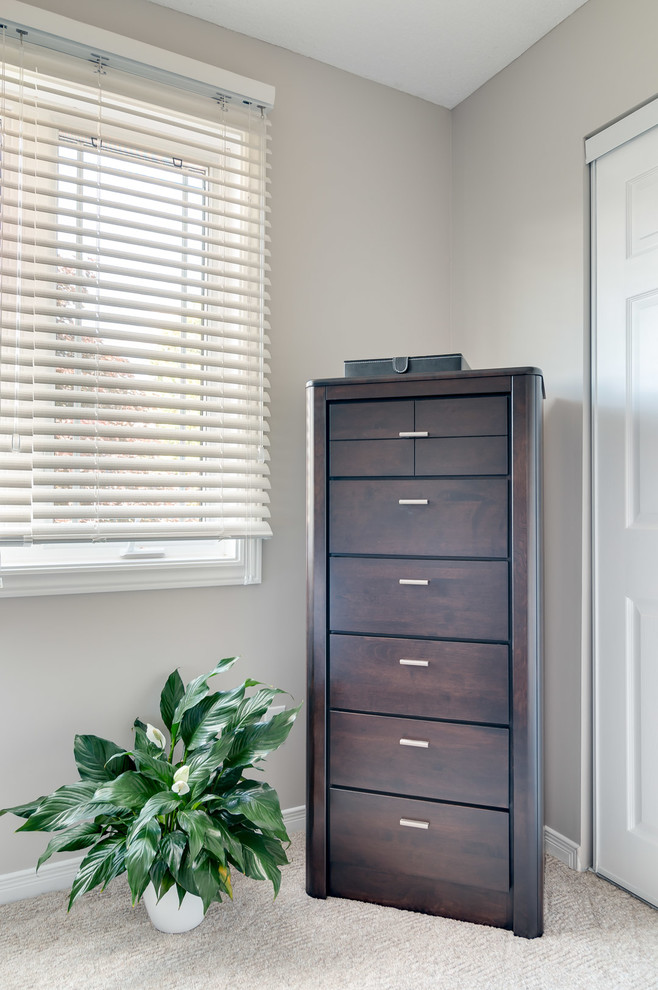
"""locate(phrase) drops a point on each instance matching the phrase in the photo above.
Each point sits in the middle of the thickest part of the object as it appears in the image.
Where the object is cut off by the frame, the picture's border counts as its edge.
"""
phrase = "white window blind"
(133, 347)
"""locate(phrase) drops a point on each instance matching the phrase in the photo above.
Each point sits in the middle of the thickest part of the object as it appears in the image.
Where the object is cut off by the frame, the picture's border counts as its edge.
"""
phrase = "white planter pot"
(167, 916)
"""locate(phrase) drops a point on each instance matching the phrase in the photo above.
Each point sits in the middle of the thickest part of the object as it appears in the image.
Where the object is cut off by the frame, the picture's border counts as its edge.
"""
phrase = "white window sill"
(101, 568)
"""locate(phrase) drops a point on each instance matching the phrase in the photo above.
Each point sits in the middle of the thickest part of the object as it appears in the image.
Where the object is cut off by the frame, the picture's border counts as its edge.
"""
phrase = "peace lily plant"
(177, 810)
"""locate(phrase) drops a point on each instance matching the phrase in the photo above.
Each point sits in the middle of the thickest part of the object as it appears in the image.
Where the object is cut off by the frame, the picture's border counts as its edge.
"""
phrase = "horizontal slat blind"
(133, 344)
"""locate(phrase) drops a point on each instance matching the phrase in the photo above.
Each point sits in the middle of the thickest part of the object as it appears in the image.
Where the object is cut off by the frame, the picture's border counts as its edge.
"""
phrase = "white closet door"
(625, 428)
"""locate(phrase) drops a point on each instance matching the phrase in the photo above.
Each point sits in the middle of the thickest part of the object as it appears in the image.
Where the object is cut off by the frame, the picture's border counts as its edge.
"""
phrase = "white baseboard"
(564, 849)
(60, 875)
(295, 818)
(29, 883)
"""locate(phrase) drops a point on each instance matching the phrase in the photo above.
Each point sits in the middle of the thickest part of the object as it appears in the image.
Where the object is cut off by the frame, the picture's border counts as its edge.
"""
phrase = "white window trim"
(30, 578)
(74, 577)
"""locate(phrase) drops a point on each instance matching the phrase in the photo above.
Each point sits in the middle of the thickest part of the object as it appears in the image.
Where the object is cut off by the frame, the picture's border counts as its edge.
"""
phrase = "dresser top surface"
(432, 377)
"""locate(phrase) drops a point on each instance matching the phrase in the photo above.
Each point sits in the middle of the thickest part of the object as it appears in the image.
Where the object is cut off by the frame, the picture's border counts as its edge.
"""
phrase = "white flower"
(155, 736)
(180, 787)
(183, 773)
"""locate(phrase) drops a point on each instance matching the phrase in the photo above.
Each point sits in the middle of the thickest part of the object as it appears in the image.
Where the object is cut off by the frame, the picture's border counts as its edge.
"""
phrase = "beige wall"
(520, 292)
(360, 267)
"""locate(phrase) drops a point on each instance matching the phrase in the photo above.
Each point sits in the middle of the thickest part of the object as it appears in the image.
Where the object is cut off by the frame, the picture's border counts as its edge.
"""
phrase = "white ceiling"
(440, 50)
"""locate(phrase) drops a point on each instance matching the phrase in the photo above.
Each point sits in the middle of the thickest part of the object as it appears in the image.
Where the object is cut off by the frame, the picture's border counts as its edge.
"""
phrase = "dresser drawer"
(447, 761)
(398, 458)
(462, 599)
(370, 420)
(438, 417)
(460, 456)
(371, 458)
(425, 678)
(465, 846)
(456, 517)
(479, 416)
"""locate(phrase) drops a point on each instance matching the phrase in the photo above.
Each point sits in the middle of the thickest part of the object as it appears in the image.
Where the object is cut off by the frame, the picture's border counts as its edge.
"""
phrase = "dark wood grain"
(466, 846)
(463, 681)
(421, 386)
(465, 763)
(370, 420)
(526, 658)
(479, 416)
(369, 458)
(316, 703)
(425, 894)
(471, 605)
(463, 517)
(465, 455)
(463, 600)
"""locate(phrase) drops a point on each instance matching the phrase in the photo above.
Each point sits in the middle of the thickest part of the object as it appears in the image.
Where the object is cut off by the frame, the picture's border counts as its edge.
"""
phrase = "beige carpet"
(597, 938)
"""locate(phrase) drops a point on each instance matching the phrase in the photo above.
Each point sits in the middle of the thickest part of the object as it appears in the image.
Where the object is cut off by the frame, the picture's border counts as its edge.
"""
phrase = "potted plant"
(176, 811)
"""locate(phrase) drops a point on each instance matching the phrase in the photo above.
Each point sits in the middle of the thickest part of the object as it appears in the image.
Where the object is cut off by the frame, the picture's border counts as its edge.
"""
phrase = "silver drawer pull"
(420, 433)
(418, 743)
(413, 501)
(414, 823)
(418, 581)
(414, 663)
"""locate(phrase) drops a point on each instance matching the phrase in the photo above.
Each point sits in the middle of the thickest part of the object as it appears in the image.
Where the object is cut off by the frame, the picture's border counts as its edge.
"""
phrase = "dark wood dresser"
(424, 759)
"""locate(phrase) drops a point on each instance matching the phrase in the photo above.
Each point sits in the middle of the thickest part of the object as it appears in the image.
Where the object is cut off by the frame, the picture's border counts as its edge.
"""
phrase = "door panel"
(625, 430)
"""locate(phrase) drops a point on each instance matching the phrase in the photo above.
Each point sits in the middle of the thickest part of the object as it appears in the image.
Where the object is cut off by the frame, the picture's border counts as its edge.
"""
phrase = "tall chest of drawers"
(424, 760)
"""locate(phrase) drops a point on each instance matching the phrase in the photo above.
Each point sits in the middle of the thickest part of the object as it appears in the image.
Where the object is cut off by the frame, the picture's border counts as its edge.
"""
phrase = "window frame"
(22, 573)
(46, 569)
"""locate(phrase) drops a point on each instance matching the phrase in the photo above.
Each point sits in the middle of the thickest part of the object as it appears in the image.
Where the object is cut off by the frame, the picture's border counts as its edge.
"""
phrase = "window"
(133, 405)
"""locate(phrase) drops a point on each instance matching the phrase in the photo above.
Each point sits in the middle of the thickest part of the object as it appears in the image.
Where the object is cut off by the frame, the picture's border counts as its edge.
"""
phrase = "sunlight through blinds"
(133, 372)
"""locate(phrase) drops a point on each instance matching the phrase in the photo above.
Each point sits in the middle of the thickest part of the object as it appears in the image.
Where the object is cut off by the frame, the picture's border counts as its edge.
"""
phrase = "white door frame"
(612, 136)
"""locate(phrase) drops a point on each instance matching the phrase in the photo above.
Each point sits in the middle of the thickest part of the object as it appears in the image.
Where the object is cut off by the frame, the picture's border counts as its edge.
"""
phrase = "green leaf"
(172, 847)
(172, 693)
(142, 743)
(195, 691)
(220, 842)
(77, 837)
(206, 761)
(224, 782)
(230, 842)
(260, 804)
(65, 806)
(208, 881)
(23, 810)
(103, 862)
(141, 850)
(196, 824)
(160, 804)
(223, 665)
(161, 878)
(273, 847)
(202, 722)
(214, 845)
(253, 742)
(254, 707)
(92, 755)
(157, 768)
(185, 878)
(130, 790)
(262, 858)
